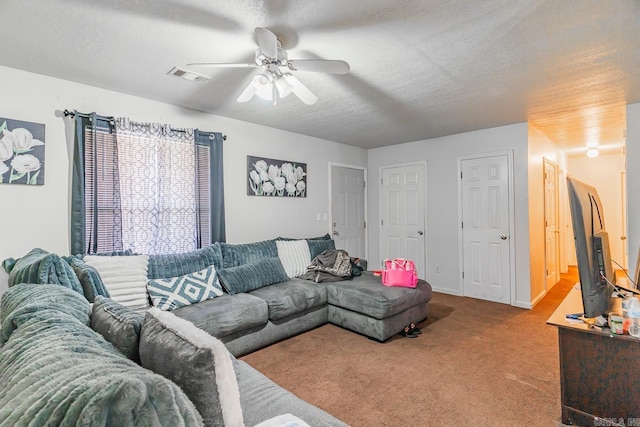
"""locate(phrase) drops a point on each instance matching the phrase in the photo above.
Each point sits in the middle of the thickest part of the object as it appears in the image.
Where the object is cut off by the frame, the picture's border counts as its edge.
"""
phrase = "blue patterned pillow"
(175, 292)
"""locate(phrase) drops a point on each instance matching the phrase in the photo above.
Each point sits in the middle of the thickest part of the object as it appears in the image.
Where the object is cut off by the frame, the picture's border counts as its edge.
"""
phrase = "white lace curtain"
(157, 187)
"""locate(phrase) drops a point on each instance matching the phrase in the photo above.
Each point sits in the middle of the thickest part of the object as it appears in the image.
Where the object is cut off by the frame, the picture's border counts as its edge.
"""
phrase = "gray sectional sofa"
(245, 317)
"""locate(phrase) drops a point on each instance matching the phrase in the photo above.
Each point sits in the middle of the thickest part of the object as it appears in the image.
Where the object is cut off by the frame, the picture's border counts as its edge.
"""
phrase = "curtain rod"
(68, 113)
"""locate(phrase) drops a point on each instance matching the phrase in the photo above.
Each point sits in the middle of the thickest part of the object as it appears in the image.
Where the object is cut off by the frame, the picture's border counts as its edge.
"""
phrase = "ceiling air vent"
(192, 76)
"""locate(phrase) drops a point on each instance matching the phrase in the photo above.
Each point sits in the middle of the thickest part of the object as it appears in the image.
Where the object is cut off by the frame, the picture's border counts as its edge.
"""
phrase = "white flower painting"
(276, 178)
(21, 152)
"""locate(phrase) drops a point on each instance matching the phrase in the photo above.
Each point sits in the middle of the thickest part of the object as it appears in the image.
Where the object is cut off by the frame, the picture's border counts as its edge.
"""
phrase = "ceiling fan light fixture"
(284, 87)
(263, 83)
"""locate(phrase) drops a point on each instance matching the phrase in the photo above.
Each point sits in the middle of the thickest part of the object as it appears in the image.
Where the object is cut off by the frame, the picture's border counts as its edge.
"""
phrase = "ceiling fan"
(276, 80)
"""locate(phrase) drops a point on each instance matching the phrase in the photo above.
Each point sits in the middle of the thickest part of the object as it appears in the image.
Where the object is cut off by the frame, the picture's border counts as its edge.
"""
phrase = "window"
(145, 187)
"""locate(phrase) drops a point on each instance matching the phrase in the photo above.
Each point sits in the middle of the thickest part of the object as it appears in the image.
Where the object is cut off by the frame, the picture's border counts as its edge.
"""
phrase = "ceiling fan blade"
(248, 93)
(300, 90)
(221, 65)
(320, 65)
(268, 42)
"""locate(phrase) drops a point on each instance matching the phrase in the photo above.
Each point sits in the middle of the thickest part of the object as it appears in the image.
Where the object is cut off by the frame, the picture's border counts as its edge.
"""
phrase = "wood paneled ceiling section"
(419, 68)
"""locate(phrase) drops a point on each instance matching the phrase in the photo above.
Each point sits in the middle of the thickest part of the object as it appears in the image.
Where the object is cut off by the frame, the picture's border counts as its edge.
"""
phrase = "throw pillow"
(40, 266)
(316, 247)
(175, 292)
(125, 278)
(249, 277)
(117, 324)
(197, 362)
(179, 264)
(234, 255)
(89, 279)
(285, 420)
(294, 256)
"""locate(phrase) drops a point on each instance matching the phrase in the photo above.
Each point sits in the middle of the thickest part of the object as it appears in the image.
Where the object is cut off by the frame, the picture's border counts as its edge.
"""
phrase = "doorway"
(551, 224)
(348, 215)
(402, 208)
(486, 213)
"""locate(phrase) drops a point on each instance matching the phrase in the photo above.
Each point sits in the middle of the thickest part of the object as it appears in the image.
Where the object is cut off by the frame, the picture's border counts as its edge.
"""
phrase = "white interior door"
(347, 210)
(486, 228)
(551, 230)
(402, 227)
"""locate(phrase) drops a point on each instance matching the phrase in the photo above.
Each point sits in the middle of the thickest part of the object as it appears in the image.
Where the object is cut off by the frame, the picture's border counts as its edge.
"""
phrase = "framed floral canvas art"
(276, 178)
(21, 152)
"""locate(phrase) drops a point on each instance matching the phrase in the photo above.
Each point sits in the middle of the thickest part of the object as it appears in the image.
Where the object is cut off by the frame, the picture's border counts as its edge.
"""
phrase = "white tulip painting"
(21, 152)
(276, 178)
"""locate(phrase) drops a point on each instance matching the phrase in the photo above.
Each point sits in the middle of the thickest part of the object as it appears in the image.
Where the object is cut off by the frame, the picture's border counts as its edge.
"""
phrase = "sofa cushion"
(234, 255)
(25, 300)
(262, 399)
(89, 278)
(227, 314)
(316, 247)
(248, 277)
(40, 266)
(291, 297)
(117, 324)
(56, 371)
(175, 292)
(294, 256)
(367, 295)
(125, 277)
(174, 265)
(197, 362)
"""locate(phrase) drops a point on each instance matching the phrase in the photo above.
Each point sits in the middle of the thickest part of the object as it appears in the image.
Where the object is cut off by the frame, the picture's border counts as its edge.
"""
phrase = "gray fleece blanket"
(55, 370)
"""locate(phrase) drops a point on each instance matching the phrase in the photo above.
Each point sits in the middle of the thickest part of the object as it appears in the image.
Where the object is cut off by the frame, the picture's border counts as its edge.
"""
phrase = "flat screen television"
(595, 269)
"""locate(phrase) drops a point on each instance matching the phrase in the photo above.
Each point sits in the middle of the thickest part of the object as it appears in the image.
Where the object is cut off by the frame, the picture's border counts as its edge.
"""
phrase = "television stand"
(599, 371)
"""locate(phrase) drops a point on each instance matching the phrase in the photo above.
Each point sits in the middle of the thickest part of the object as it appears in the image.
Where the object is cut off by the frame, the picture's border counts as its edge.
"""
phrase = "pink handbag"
(399, 272)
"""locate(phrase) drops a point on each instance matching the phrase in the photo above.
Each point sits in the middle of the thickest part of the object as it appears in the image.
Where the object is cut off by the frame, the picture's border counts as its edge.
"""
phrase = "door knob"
(335, 233)
(503, 236)
(420, 233)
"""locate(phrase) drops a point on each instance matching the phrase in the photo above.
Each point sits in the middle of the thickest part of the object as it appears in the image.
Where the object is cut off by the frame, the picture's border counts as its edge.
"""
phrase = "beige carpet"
(477, 363)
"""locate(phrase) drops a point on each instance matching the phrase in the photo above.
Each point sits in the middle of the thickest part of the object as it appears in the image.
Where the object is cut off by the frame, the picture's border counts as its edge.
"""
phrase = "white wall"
(604, 173)
(633, 183)
(441, 155)
(39, 216)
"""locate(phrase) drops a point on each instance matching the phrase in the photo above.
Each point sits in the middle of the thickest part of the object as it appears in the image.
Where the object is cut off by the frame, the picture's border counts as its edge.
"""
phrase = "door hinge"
(460, 175)
(463, 274)
(381, 180)
(382, 222)
(365, 224)
(462, 224)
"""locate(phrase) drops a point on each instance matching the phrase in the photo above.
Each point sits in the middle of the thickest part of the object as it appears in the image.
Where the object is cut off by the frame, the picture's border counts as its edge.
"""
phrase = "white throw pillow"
(125, 278)
(294, 256)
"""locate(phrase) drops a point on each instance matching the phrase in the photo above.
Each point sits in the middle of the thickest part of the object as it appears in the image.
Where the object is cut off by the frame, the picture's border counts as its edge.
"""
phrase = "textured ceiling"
(419, 68)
